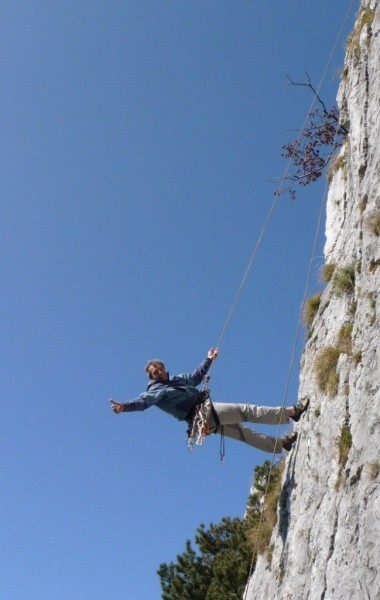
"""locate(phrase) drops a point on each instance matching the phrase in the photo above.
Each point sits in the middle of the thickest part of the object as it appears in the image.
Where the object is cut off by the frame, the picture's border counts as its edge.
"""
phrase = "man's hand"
(213, 353)
(116, 407)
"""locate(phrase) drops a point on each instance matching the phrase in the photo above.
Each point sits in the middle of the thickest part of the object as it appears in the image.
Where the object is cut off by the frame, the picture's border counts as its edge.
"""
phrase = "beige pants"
(231, 415)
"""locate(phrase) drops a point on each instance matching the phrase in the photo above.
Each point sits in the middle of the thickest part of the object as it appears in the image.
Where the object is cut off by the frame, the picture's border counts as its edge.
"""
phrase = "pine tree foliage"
(219, 568)
(187, 579)
(218, 572)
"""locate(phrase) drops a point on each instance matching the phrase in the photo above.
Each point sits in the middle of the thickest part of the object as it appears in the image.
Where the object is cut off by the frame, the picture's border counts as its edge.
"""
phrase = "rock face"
(326, 544)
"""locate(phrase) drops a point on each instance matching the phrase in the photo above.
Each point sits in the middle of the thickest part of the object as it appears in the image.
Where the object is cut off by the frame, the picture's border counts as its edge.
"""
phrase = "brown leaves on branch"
(315, 145)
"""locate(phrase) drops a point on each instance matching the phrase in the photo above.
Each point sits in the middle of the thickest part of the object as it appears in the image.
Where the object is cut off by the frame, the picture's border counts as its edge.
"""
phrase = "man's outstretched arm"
(139, 403)
(195, 378)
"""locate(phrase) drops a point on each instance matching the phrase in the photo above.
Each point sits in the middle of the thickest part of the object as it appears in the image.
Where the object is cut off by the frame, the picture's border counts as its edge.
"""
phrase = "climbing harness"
(198, 419)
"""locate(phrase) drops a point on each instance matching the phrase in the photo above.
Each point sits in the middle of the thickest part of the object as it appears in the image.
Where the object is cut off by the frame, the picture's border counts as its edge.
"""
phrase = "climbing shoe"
(289, 440)
(300, 408)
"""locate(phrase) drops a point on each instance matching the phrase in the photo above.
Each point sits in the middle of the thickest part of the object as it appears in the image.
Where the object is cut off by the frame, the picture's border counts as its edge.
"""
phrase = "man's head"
(155, 370)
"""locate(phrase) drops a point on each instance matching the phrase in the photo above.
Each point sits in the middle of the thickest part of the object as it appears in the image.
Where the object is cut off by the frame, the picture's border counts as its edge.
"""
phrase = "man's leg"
(231, 414)
(252, 438)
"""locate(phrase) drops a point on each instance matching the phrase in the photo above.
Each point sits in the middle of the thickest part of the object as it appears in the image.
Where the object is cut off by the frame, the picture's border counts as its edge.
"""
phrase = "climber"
(179, 396)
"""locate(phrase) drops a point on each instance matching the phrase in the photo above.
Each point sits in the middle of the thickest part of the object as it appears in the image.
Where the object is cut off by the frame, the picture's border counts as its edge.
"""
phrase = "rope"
(312, 258)
(247, 272)
(278, 192)
(288, 379)
(255, 251)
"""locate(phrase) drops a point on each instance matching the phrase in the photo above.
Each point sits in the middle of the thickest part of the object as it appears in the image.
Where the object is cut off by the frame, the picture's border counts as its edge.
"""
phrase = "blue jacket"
(176, 396)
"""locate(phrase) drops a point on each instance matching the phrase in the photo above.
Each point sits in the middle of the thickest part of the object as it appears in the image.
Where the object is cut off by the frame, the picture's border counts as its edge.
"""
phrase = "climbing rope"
(246, 275)
(298, 330)
(255, 249)
(288, 379)
(278, 192)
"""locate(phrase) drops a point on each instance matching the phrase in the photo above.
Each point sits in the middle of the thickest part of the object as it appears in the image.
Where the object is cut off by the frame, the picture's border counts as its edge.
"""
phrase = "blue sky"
(139, 145)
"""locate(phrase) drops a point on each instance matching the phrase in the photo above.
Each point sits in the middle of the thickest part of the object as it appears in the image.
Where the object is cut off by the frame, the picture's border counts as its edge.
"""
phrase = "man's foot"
(300, 408)
(289, 440)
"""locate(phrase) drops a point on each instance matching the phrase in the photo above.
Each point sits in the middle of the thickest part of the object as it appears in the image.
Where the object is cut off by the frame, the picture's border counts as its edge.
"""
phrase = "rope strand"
(288, 379)
(278, 191)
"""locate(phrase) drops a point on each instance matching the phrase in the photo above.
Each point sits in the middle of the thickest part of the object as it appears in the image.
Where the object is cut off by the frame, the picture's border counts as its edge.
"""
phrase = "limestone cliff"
(326, 544)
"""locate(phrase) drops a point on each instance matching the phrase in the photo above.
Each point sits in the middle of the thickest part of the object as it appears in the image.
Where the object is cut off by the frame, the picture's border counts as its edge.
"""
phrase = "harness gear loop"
(197, 421)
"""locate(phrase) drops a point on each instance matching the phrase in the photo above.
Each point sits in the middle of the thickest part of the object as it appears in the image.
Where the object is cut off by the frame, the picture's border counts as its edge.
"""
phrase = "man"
(179, 396)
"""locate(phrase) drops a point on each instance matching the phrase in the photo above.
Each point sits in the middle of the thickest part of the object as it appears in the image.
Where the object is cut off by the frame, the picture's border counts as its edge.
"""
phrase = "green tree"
(219, 570)
(187, 579)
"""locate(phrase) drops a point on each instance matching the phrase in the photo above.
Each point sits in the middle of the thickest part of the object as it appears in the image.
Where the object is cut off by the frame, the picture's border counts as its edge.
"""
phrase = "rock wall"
(326, 544)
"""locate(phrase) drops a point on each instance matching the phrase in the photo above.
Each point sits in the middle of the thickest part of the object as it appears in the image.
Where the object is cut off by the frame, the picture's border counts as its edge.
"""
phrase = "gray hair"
(152, 362)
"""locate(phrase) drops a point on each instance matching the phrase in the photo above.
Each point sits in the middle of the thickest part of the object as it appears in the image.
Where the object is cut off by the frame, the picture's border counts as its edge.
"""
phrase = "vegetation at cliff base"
(219, 567)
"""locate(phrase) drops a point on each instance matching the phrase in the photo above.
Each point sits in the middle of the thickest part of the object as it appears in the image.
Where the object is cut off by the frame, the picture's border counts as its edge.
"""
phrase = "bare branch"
(310, 86)
(316, 143)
